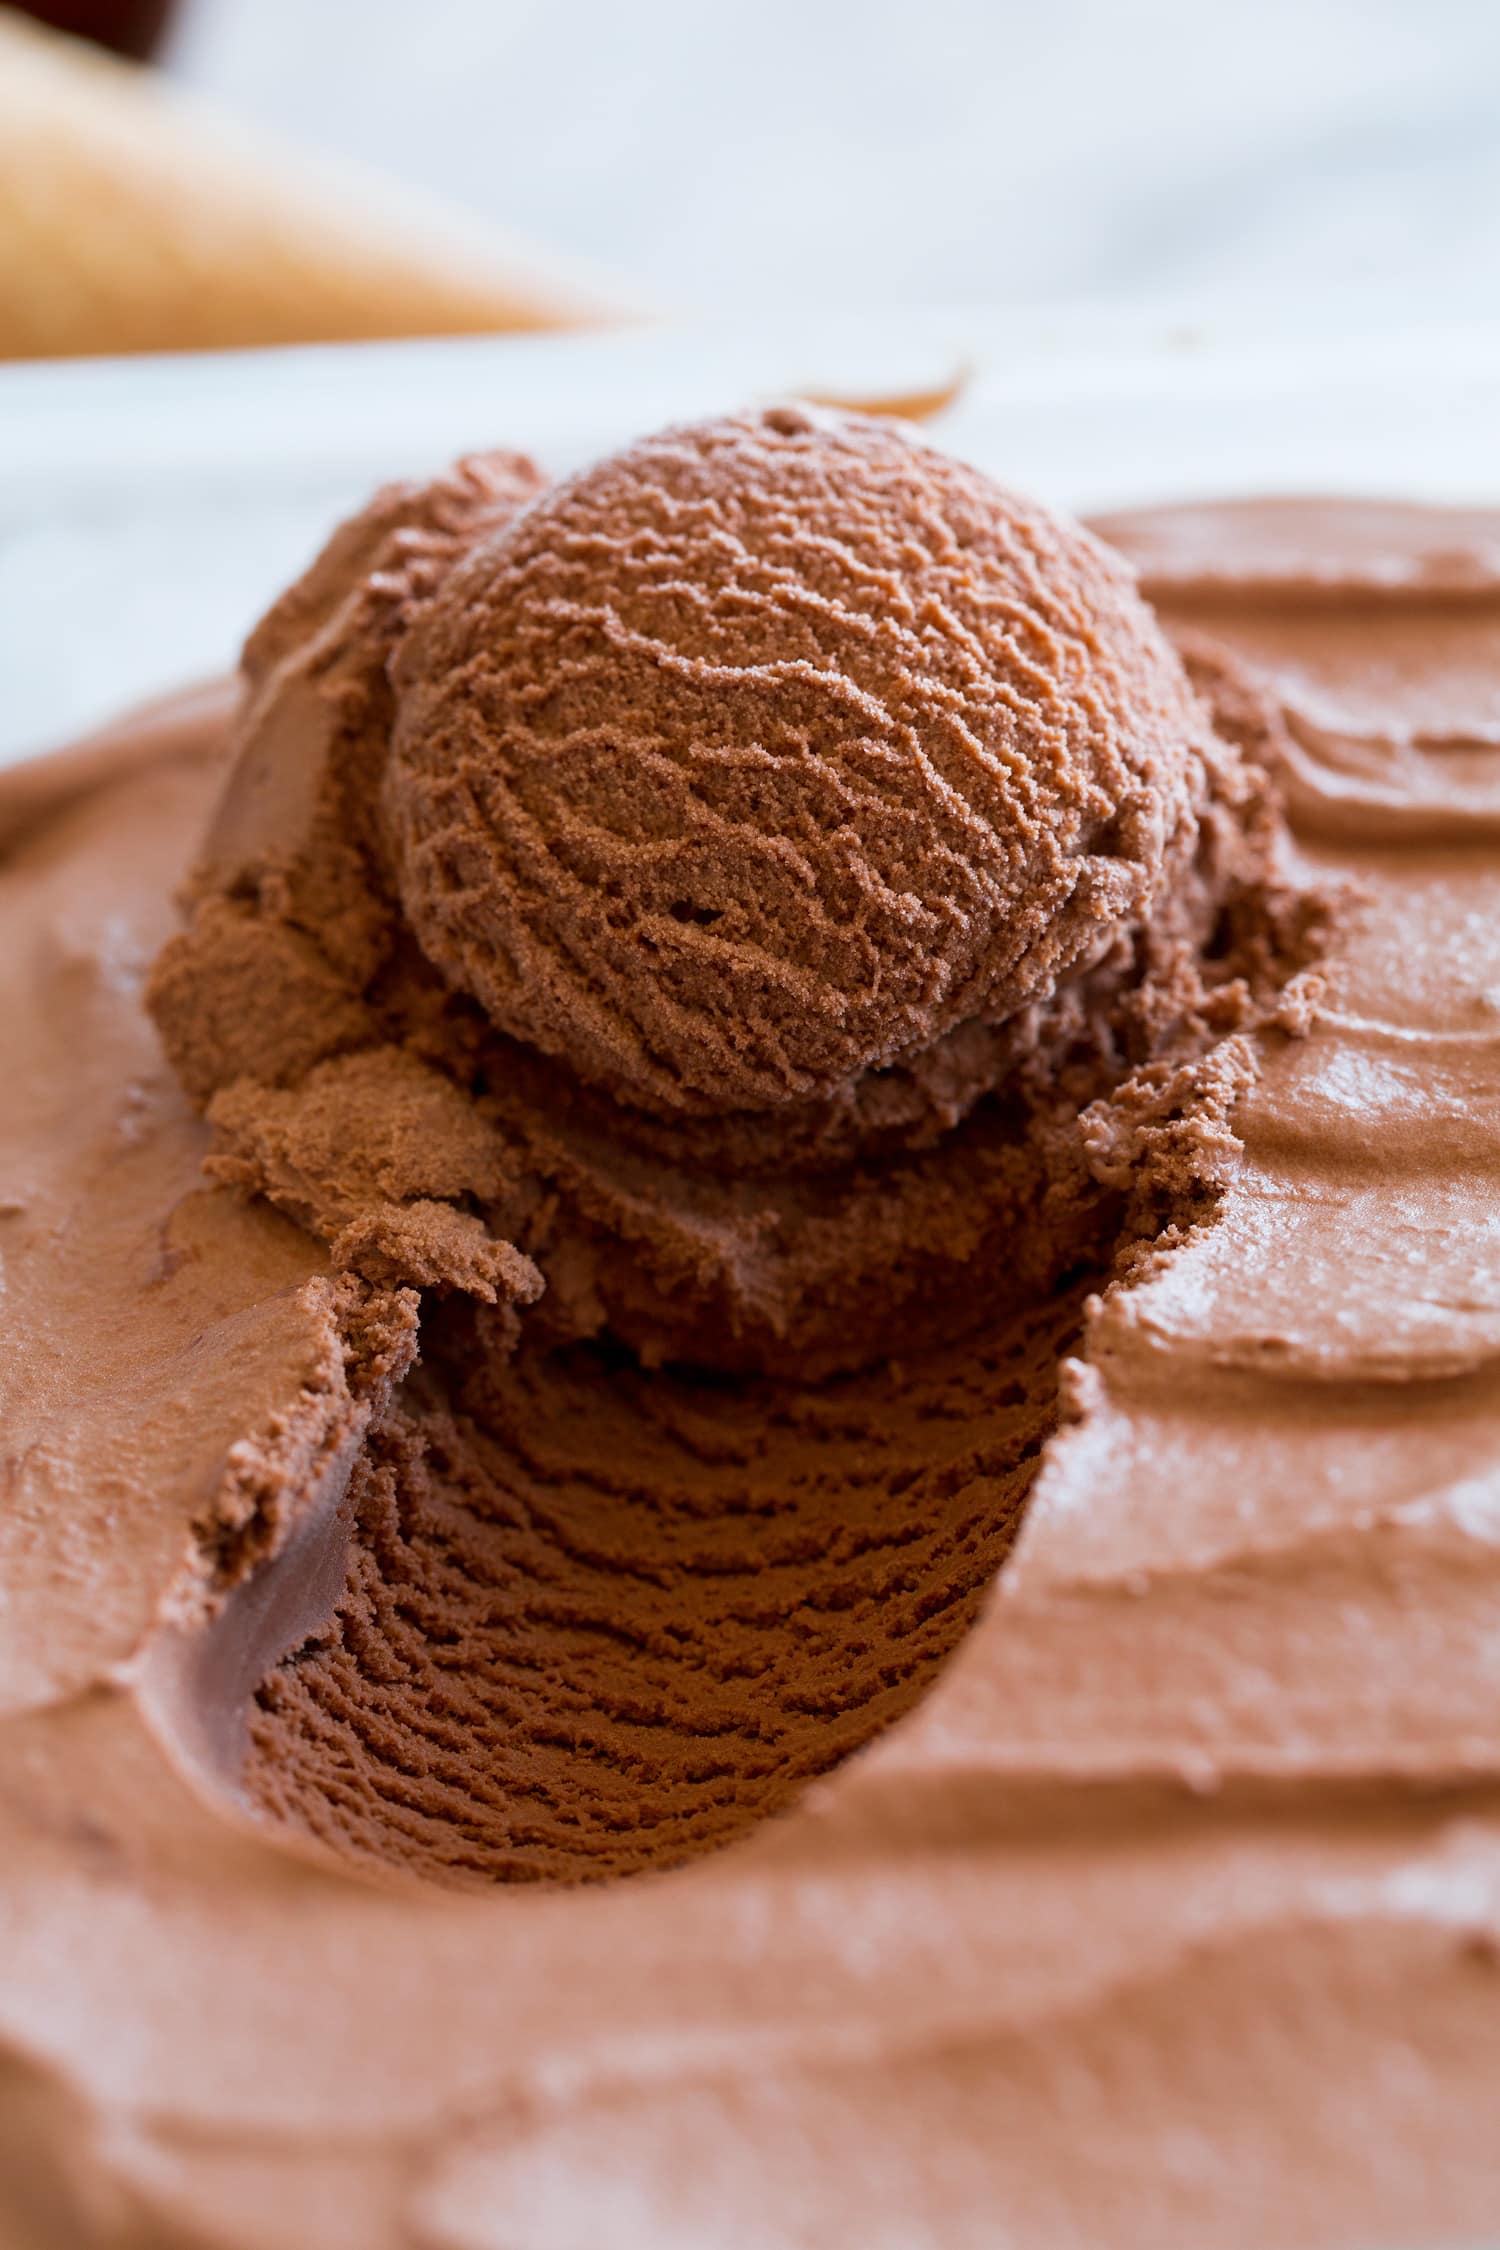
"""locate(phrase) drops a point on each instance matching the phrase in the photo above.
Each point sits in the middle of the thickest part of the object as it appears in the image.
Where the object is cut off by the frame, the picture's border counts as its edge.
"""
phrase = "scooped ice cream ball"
(768, 751)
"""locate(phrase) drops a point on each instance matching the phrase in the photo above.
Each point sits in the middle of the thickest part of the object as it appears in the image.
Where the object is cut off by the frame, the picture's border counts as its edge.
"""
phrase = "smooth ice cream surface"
(1170, 1890)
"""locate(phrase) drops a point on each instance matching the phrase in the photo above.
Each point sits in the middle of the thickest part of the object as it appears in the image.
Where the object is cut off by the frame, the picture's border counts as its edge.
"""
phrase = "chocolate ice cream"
(359, 1601)
(773, 753)
(733, 821)
(772, 902)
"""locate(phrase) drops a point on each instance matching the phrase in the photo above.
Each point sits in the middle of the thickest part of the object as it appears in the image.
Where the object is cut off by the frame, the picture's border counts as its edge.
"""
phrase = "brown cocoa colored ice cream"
(736, 821)
(773, 751)
(359, 1601)
(771, 902)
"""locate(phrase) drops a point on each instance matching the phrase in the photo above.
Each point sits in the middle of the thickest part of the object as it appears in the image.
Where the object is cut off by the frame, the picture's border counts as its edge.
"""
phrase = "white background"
(1303, 159)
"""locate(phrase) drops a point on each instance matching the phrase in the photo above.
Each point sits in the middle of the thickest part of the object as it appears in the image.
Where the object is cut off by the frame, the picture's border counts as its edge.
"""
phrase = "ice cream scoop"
(768, 751)
(630, 893)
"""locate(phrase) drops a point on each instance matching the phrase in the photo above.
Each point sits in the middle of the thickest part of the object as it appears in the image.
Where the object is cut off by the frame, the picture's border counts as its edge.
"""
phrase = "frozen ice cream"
(773, 752)
(1170, 1890)
(733, 820)
(717, 886)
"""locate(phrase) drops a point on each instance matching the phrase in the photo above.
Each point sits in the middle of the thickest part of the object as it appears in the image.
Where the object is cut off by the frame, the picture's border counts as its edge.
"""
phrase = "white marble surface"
(1303, 158)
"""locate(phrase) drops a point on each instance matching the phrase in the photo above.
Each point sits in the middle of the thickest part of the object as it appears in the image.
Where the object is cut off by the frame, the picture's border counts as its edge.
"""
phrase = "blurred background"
(1184, 150)
(1166, 247)
(1292, 161)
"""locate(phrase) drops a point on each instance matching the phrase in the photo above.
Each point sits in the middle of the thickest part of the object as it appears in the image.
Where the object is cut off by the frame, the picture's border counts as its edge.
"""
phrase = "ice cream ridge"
(749, 1436)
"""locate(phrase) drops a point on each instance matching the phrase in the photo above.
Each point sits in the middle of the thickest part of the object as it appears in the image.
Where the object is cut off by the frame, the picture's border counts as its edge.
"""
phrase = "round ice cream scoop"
(770, 750)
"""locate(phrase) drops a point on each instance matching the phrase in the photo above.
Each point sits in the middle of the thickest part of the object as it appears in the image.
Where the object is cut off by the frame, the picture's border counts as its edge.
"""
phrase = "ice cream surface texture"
(772, 751)
(689, 910)
(733, 820)
(1166, 1905)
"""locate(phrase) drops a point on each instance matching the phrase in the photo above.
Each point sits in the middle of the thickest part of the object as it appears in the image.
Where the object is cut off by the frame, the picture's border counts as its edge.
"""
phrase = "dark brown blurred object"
(131, 27)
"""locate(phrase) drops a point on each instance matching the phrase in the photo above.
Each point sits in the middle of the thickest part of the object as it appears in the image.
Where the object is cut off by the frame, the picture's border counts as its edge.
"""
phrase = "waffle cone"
(134, 218)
